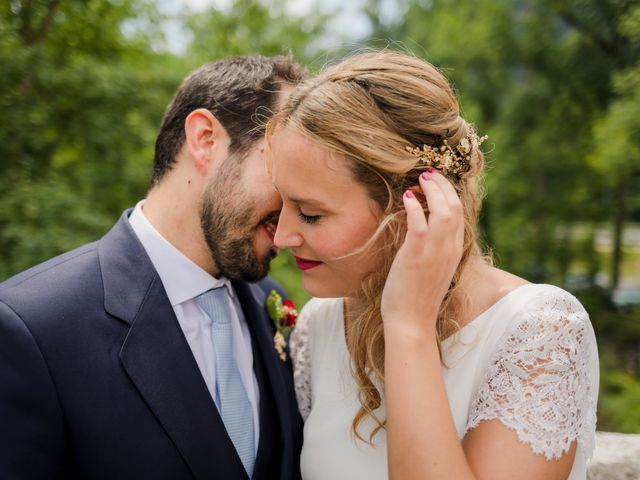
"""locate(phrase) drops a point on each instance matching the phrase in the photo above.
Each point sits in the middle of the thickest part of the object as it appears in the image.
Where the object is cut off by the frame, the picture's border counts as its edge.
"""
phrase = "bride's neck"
(482, 285)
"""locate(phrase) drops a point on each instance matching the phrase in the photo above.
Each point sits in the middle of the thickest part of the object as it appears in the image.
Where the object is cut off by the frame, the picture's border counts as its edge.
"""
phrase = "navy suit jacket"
(97, 380)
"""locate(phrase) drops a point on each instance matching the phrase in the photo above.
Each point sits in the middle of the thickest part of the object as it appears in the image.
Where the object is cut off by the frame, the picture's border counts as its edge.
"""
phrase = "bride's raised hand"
(424, 266)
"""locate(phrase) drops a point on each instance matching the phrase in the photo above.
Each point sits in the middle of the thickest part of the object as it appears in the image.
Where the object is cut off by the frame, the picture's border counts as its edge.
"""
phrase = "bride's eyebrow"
(308, 202)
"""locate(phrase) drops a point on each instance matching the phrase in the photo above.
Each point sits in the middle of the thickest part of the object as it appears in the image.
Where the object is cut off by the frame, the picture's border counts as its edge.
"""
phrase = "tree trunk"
(620, 211)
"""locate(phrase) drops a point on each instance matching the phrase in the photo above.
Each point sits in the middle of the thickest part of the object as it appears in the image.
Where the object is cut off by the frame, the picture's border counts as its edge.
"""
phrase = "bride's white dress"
(530, 361)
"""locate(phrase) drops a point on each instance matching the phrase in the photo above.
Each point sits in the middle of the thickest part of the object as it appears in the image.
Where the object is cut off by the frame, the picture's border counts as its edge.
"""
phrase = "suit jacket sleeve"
(32, 436)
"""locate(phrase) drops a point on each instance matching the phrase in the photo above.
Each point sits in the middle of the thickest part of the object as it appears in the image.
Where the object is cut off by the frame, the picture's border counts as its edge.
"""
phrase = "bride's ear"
(206, 140)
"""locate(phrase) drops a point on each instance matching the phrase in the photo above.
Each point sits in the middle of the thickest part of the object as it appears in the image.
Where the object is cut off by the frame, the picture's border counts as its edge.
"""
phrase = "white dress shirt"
(183, 281)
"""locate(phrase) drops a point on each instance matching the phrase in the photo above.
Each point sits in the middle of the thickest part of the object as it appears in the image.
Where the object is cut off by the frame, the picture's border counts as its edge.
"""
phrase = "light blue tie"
(231, 397)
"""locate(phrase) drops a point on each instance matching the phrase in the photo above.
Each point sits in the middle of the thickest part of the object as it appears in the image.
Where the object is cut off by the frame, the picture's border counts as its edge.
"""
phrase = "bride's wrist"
(410, 332)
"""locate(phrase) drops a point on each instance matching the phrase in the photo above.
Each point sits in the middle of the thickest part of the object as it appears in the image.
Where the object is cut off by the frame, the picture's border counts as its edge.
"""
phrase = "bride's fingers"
(453, 199)
(447, 187)
(436, 198)
(416, 223)
(445, 209)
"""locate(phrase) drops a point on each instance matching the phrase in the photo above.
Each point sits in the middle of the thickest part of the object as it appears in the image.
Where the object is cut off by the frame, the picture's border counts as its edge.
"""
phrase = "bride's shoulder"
(549, 301)
(520, 299)
(539, 316)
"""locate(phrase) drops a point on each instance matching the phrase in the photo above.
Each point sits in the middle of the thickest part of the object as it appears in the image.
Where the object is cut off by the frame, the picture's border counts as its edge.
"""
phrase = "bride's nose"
(287, 235)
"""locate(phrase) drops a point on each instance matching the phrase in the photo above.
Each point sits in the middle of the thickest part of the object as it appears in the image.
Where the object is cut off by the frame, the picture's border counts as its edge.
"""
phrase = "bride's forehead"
(292, 151)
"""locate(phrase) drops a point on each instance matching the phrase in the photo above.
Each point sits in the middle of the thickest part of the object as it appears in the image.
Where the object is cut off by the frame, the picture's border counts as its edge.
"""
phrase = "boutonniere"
(284, 316)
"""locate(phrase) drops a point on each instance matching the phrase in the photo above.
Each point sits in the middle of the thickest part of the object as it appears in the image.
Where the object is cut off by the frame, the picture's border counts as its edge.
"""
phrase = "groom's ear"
(206, 140)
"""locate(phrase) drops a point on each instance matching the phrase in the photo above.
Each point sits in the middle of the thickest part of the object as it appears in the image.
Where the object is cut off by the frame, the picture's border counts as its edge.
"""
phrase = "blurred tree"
(616, 142)
(80, 102)
(255, 26)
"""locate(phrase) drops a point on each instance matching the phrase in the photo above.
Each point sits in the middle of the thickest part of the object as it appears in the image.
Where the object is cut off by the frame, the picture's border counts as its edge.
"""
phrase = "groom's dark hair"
(240, 92)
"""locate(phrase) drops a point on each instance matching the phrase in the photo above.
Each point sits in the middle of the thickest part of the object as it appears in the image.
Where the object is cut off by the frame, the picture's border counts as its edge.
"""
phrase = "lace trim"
(300, 351)
(537, 380)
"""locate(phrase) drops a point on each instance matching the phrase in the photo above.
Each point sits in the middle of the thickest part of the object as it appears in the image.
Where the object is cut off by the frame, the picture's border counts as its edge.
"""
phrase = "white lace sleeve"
(301, 358)
(538, 382)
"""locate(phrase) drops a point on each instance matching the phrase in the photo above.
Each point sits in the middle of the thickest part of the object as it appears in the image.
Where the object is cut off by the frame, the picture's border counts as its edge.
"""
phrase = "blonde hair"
(369, 108)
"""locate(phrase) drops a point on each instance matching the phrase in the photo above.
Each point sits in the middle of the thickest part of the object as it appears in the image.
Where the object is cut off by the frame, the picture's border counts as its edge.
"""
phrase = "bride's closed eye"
(310, 219)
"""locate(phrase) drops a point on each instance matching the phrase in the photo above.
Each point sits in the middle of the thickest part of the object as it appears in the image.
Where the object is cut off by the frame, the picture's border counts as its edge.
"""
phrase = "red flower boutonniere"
(284, 316)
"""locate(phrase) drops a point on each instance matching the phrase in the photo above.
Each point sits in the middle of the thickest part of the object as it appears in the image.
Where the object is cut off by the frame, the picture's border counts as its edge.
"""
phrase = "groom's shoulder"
(269, 284)
(70, 270)
(261, 289)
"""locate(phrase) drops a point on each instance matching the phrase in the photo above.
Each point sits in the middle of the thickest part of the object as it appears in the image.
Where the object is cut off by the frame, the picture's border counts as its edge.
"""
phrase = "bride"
(417, 358)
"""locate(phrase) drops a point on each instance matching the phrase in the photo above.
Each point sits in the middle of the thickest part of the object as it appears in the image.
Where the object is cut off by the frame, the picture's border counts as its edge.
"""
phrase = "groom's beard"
(229, 223)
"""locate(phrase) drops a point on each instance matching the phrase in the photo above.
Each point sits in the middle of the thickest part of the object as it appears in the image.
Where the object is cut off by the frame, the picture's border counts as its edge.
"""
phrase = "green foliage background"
(555, 84)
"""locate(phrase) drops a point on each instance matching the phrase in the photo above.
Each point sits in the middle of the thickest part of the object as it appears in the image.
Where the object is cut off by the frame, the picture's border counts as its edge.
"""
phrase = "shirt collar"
(182, 279)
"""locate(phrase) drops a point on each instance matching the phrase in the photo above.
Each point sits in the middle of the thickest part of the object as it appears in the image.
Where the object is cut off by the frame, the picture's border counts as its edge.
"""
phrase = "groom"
(148, 354)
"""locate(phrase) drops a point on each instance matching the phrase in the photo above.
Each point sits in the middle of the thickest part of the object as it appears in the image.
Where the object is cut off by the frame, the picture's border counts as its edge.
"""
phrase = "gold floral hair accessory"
(450, 161)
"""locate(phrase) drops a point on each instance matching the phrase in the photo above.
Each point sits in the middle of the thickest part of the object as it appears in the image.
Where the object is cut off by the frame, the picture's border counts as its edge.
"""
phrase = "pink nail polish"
(409, 194)
(425, 175)
(431, 170)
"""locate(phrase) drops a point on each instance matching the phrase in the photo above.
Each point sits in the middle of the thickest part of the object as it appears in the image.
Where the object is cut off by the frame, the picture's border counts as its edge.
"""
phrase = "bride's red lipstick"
(305, 264)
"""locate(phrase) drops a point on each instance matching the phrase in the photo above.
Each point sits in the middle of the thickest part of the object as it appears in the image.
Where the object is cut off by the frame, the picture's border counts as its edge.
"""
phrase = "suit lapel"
(158, 360)
(252, 299)
(268, 456)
